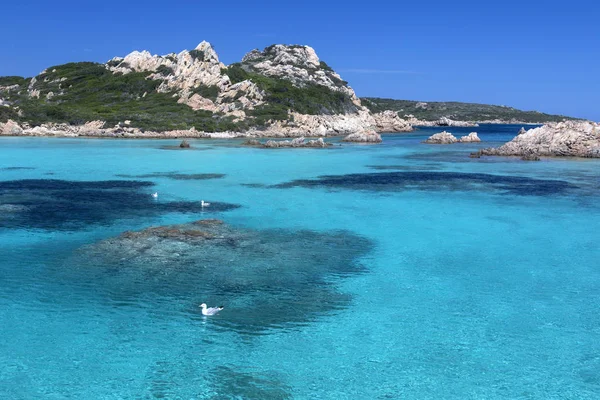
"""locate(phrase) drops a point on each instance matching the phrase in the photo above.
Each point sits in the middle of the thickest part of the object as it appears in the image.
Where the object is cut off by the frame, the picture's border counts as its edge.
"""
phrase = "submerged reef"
(435, 181)
(66, 205)
(264, 278)
(174, 175)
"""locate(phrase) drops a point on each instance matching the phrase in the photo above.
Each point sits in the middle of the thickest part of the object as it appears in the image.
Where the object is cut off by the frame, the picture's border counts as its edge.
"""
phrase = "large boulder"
(470, 138)
(441, 138)
(363, 137)
(10, 128)
(389, 121)
(568, 138)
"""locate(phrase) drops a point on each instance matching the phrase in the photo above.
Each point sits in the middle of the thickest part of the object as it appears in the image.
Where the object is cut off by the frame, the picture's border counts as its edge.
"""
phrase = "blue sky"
(542, 55)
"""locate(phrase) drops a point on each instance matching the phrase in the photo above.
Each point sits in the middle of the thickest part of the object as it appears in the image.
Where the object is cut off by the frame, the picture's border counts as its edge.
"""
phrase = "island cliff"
(281, 91)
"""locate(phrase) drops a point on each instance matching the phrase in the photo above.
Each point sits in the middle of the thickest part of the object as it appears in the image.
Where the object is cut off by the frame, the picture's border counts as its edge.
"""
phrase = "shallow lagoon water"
(426, 288)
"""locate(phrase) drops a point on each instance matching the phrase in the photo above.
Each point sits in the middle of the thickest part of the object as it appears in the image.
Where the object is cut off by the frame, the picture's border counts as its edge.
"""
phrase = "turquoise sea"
(392, 271)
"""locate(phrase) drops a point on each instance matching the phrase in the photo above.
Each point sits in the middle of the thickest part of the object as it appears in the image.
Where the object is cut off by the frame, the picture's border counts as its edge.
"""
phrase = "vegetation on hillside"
(75, 93)
(432, 111)
(78, 92)
(86, 91)
(282, 95)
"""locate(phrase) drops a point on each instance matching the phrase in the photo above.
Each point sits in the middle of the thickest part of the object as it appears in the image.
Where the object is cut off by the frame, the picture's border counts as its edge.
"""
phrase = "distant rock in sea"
(441, 138)
(470, 138)
(298, 142)
(363, 137)
(568, 138)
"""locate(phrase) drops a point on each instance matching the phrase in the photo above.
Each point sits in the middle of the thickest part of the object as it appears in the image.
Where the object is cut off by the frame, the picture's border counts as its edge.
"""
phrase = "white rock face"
(185, 70)
(363, 137)
(389, 121)
(298, 142)
(10, 128)
(298, 64)
(568, 138)
(470, 138)
(441, 138)
(319, 125)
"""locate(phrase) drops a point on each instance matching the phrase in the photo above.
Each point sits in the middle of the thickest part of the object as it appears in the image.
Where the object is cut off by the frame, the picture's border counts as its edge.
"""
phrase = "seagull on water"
(155, 195)
(210, 310)
(204, 204)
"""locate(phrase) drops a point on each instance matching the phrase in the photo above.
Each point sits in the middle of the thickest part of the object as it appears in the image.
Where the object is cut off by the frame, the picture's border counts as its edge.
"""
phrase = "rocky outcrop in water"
(265, 278)
(448, 138)
(389, 121)
(300, 142)
(569, 138)
(441, 138)
(296, 143)
(470, 138)
(363, 137)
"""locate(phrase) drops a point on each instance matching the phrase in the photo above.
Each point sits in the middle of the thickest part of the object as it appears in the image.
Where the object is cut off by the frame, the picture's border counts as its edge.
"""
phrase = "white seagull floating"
(210, 310)
(155, 195)
(204, 204)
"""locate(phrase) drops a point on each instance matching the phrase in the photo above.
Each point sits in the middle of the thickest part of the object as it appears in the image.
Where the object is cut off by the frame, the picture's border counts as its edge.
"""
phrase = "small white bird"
(204, 204)
(155, 195)
(210, 310)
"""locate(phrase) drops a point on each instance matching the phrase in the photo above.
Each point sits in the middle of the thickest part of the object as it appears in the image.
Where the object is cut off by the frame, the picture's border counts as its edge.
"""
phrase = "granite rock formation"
(389, 121)
(441, 138)
(470, 138)
(363, 137)
(568, 138)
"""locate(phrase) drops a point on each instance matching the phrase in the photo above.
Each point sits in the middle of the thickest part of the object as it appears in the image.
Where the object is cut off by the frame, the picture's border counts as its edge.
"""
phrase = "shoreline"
(191, 134)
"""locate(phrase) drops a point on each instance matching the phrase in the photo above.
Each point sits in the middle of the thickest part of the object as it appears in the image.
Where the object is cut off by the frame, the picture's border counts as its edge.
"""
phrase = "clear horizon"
(535, 56)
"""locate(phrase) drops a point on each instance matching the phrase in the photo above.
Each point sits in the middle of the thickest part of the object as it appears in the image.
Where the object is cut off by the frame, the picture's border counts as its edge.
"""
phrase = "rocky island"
(281, 91)
(448, 138)
(568, 138)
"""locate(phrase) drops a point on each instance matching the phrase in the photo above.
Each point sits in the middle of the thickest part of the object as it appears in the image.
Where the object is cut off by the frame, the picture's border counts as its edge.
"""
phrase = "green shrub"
(326, 67)
(7, 113)
(197, 55)
(164, 70)
(12, 80)
(209, 92)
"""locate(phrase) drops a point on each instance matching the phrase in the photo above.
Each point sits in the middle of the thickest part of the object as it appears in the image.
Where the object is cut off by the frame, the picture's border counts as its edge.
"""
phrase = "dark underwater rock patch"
(425, 167)
(16, 168)
(174, 175)
(266, 279)
(67, 205)
(435, 181)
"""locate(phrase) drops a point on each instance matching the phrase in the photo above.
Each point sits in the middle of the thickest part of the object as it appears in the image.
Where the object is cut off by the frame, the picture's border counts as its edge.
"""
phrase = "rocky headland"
(562, 139)
(282, 91)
